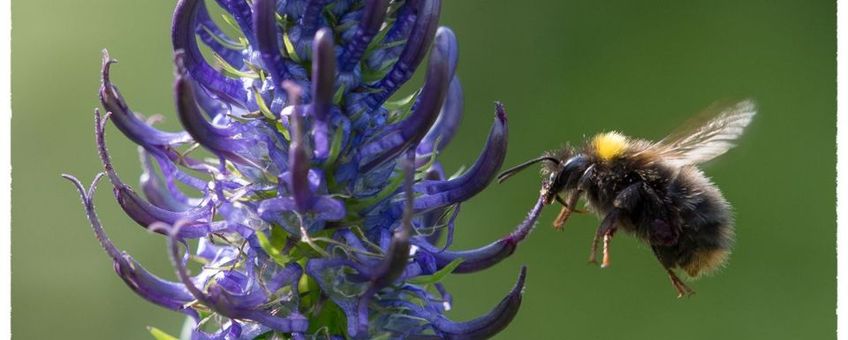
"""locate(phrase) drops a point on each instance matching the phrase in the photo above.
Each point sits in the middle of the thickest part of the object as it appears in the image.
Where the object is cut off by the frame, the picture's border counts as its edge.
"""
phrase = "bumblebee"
(652, 190)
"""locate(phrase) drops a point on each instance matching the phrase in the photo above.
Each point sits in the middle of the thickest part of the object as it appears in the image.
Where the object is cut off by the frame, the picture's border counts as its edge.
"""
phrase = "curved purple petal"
(220, 301)
(183, 39)
(163, 293)
(300, 157)
(311, 17)
(426, 22)
(221, 141)
(242, 13)
(484, 170)
(325, 208)
(399, 137)
(487, 256)
(369, 25)
(141, 211)
(483, 327)
(323, 80)
(212, 36)
(162, 192)
(267, 38)
(125, 120)
(445, 127)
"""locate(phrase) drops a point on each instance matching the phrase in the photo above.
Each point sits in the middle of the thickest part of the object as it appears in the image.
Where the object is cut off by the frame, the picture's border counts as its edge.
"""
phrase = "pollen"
(609, 145)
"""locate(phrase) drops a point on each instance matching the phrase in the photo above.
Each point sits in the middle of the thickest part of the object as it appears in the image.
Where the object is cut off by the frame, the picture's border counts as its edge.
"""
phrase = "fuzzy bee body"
(675, 209)
(652, 190)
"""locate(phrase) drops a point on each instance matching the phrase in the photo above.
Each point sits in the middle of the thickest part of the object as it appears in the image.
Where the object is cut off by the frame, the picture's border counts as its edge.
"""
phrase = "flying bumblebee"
(652, 190)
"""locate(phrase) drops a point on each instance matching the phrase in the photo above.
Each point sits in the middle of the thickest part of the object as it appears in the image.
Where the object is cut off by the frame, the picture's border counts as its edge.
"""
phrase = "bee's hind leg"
(682, 288)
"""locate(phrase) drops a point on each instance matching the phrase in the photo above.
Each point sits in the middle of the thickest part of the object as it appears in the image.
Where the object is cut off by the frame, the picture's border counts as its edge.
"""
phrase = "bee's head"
(565, 177)
(561, 175)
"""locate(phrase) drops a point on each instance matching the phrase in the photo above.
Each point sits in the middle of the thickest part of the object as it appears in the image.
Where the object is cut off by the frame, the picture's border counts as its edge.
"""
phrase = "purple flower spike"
(369, 25)
(444, 193)
(399, 137)
(325, 212)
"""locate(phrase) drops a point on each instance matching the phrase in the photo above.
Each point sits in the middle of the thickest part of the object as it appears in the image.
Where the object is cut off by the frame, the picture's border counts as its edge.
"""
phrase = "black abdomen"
(705, 223)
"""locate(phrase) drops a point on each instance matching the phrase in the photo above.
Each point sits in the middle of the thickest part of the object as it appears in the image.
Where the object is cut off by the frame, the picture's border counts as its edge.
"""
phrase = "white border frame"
(5, 168)
(841, 170)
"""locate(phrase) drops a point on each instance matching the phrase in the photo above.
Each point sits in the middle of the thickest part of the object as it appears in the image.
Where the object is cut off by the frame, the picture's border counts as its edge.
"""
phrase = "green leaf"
(159, 334)
(331, 318)
(358, 204)
(375, 42)
(437, 276)
(372, 75)
(263, 108)
(231, 71)
(273, 246)
(290, 49)
(400, 103)
(401, 108)
(337, 97)
(226, 43)
(231, 22)
(421, 174)
(335, 148)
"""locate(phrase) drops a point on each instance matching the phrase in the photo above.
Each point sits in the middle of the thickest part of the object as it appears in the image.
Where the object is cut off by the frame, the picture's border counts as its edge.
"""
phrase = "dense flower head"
(320, 207)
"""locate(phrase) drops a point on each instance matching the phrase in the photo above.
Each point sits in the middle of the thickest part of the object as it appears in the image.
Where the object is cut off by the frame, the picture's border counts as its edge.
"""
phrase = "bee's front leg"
(579, 183)
(567, 209)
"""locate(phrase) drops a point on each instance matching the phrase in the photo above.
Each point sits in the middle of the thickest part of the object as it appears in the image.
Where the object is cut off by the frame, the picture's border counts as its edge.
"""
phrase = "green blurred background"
(564, 69)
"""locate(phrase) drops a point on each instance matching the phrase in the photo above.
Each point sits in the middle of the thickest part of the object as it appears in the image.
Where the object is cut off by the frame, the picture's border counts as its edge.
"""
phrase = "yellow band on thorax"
(609, 145)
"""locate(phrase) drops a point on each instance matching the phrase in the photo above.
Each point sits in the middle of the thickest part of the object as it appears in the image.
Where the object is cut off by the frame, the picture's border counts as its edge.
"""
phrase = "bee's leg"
(573, 209)
(607, 238)
(594, 250)
(607, 228)
(682, 288)
(676, 282)
(581, 183)
(564, 213)
(567, 209)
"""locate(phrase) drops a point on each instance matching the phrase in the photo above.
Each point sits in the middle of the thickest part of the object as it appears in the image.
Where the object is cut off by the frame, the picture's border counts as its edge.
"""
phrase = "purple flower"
(320, 208)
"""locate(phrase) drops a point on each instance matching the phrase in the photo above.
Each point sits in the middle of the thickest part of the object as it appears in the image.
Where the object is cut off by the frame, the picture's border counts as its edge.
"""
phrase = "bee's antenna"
(516, 169)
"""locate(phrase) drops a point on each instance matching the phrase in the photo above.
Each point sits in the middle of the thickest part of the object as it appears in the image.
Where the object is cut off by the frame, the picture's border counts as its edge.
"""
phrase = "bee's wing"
(699, 143)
